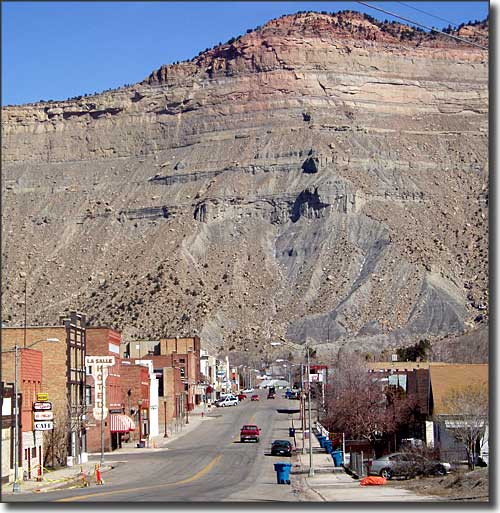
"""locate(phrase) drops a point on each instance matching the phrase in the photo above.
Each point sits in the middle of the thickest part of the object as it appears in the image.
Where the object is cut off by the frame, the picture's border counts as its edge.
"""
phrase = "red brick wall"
(54, 362)
(30, 382)
(98, 344)
(136, 379)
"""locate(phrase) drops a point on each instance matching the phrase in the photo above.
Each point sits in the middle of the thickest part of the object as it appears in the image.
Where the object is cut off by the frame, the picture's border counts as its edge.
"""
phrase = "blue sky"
(56, 50)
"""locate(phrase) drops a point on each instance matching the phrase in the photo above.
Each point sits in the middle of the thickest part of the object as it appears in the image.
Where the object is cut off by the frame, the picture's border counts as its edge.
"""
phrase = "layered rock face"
(319, 178)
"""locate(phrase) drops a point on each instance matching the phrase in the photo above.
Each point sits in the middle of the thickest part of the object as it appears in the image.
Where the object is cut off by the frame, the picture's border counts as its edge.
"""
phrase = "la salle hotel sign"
(99, 366)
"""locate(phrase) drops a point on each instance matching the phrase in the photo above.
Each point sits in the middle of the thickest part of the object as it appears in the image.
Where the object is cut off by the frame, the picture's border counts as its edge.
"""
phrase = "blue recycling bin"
(328, 446)
(321, 440)
(337, 458)
(283, 472)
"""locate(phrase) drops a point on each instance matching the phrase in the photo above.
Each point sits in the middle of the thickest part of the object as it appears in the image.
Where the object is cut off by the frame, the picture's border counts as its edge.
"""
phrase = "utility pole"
(102, 414)
(311, 468)
(302, 408)
(25, 310)
(15, 486)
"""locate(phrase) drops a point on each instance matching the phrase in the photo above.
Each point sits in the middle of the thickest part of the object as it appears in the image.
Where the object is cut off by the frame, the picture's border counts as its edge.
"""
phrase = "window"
(182, 360)
(88, 394)
(33, 452)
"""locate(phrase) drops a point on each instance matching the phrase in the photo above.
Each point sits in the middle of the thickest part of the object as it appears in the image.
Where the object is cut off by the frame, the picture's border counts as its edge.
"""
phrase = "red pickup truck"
(249, 432)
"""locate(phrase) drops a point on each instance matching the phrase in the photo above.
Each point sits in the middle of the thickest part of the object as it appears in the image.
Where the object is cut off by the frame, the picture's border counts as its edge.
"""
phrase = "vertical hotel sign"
(99, 366)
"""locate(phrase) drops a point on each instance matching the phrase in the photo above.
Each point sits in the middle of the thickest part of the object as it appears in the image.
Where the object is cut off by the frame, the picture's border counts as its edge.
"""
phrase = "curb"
(55, 484)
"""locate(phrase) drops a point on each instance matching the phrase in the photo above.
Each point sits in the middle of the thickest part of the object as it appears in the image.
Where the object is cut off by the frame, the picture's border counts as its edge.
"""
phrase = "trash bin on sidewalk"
(337, 457)
(321, 440)
(141, 444)
(291, 431)
(283, 472)
(328, 446)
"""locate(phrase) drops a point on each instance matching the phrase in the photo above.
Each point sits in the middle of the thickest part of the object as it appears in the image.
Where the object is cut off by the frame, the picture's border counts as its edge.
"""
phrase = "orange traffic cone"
(98, 479)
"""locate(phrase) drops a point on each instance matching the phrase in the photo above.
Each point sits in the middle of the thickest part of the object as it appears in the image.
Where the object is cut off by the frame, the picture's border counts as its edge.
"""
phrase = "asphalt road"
(209, 464)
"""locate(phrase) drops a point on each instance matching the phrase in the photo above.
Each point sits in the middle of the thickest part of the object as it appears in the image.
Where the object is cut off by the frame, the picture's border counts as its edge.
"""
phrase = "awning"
(121, 424)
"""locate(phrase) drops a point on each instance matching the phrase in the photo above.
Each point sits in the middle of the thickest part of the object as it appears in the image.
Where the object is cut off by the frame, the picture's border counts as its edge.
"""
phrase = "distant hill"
(322, 177)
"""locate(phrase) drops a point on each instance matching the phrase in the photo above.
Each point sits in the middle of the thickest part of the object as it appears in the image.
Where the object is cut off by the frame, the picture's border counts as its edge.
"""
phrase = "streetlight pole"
(15, 486)
(165, 435)
(139, 403)
(103, 392)
(311, 468)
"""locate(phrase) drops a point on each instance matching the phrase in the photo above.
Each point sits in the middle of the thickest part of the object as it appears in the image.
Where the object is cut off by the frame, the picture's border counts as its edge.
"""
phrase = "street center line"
(199, 474)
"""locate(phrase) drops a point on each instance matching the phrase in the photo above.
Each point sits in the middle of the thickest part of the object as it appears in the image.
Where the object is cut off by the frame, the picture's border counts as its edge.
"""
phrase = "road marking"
(199, 474)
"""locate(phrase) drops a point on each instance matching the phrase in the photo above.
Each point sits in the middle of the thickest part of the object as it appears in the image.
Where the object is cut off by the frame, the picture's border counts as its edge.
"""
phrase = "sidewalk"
(65, 477)
(333, 484)
(69, 477)
(159, 442)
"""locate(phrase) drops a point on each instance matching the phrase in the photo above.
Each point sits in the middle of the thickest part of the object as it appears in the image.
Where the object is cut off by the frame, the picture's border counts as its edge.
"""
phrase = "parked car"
(249, 432)
(254, 397)
(247, 390)
(227, 401)
(271, 395)
(407, 465)
(281, 447)
(241, 397)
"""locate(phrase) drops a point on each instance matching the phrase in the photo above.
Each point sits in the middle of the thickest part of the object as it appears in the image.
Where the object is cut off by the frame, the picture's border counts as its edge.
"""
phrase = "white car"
(247, 391)
(227, 401)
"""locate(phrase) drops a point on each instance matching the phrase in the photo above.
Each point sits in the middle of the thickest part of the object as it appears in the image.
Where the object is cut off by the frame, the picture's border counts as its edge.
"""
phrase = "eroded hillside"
(320, 177)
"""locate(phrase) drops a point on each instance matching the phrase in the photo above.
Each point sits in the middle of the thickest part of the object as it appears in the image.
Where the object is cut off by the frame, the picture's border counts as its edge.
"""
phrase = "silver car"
(407, 465)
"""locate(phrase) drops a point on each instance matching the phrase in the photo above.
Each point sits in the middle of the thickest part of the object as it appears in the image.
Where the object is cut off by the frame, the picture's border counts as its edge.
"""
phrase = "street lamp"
(139, 403)
(15, 487)
(165, 435)
(311, 468)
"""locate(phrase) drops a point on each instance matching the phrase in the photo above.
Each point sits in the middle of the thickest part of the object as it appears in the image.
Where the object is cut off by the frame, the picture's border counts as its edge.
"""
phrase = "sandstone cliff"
(322, 177)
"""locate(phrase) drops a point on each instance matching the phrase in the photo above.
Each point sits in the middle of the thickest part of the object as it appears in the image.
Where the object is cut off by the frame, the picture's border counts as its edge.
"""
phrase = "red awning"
(121, 424)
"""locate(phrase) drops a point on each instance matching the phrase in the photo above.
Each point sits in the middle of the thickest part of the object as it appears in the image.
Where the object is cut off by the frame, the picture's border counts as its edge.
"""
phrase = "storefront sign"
(43, 426)
(44, 415)
(42, 397)
(42, 406)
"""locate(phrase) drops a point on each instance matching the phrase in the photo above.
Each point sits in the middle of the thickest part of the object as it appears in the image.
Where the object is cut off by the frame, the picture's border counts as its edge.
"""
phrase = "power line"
(434, 16)
(424, 26)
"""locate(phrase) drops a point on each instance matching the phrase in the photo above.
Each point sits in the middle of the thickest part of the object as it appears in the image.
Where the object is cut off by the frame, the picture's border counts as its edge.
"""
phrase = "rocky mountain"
(323, 177)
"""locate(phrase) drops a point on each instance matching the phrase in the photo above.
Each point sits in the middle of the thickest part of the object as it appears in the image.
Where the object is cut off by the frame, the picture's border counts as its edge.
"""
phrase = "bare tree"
(467, 417)
(56, 441)
(359, 404)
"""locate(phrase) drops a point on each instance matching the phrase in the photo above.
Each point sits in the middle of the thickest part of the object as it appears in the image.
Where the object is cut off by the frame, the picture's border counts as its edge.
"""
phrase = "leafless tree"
(359, 404)
(56, 441)
(467, 417)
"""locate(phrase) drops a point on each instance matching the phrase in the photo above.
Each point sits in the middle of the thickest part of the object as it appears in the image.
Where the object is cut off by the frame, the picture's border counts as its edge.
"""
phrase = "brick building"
(187, 354)
(103, 341)
(63, 378)
(29, 383)
(135, 397)
(6, 396)
(172, 396)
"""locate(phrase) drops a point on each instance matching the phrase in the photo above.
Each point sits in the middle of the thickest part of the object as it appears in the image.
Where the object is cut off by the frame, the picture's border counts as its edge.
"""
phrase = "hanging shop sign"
(43, 415)
(43, 425)
(39, 406)
(42, 397)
